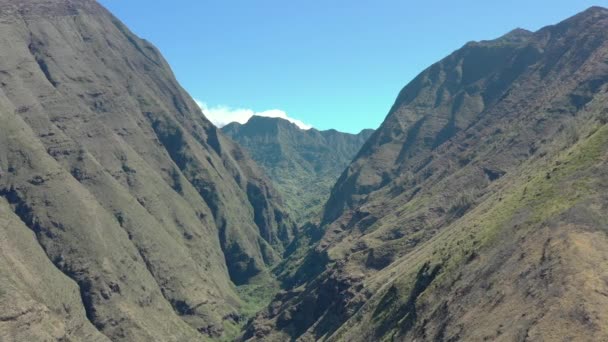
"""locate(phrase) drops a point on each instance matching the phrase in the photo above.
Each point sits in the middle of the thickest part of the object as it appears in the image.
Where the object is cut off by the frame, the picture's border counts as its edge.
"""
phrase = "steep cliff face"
(477, 210)
(146, 214)
(304, 164)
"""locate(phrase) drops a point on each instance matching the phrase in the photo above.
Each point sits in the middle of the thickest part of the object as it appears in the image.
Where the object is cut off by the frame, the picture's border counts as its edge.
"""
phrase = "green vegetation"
(303, 164)
(531, 193)
(257, 294)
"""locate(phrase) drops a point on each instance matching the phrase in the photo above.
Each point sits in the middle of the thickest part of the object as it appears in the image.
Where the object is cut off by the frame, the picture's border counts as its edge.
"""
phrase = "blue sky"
(328, 63)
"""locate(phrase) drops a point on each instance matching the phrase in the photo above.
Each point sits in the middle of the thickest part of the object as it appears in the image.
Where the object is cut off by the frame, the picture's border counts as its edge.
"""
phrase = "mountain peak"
(595, 10)
(267, 119)
(518, 33)
(366, 131)
(514, 37)
(266, 125)
(591, 14)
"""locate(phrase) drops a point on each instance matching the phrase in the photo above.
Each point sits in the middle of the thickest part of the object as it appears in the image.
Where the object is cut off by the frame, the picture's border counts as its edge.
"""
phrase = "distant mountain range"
(304, 164)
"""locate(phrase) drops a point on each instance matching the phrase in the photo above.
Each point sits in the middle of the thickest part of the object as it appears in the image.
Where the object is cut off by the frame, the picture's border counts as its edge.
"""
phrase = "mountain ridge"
(302, 163)
(282, 121)
(449, 221)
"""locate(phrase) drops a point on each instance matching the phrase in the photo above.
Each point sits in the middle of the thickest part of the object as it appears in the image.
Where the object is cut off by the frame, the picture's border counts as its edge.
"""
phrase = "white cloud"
(223, 115)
